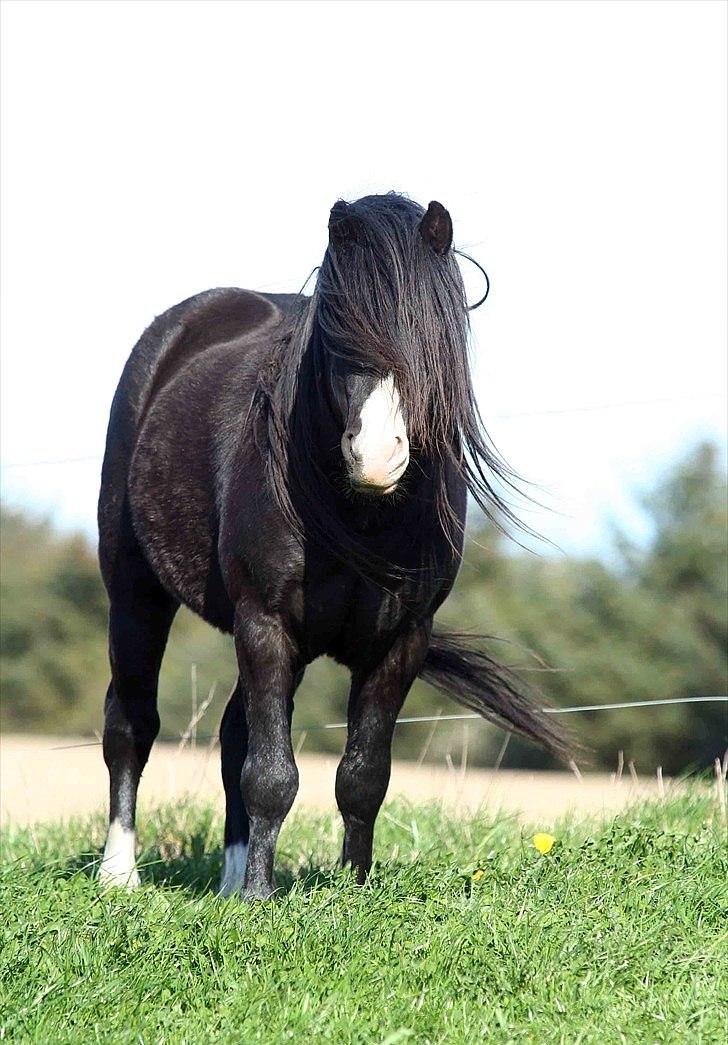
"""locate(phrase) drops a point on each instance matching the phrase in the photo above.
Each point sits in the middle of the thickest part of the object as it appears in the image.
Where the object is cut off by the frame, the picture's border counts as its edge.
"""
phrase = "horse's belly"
(174, 514)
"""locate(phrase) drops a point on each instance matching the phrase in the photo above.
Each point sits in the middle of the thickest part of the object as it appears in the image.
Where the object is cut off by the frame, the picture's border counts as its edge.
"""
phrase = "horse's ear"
(341, 225)
(436, 228)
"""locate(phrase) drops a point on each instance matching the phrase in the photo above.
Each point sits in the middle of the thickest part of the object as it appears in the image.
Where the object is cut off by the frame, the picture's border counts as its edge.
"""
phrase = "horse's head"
(371, 338)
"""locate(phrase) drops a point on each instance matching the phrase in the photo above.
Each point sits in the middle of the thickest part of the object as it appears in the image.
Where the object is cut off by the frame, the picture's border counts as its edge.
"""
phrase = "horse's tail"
(476, 681)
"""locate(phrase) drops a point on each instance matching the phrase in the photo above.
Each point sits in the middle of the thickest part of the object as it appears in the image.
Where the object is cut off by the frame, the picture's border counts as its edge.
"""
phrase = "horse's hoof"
(111, 879)
(118, 868)
(233, 874)
(257, 892)
(226, 889)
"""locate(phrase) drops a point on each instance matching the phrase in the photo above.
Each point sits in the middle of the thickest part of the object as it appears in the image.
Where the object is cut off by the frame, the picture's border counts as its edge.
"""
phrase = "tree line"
(643, 622)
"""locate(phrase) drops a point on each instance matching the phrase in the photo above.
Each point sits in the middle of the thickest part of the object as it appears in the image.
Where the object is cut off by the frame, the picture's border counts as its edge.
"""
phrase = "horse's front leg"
(267, 663)
(362, 778)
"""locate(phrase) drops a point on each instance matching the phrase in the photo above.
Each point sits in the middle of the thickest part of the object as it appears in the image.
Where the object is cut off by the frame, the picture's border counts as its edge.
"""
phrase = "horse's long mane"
(384, 302)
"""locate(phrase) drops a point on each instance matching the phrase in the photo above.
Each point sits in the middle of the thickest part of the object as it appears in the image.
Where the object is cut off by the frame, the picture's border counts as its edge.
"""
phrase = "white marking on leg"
(233, 873)
(118, 863)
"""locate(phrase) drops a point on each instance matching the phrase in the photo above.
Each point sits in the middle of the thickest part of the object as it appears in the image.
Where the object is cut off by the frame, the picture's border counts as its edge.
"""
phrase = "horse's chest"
(343, 615)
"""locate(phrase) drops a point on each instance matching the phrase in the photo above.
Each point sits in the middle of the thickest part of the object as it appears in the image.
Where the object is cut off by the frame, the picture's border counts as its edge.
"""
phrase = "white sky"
(152, 150)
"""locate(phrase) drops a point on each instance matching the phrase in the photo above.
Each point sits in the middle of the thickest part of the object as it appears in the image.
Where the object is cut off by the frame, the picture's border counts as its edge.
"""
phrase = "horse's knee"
(269, 784)
(361, 784)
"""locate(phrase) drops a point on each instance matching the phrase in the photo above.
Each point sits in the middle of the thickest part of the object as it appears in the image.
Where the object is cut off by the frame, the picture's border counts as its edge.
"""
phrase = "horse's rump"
(161, 413)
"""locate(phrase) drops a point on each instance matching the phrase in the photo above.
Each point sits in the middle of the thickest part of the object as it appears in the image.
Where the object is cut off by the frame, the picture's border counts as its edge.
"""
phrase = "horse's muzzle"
(379, 472)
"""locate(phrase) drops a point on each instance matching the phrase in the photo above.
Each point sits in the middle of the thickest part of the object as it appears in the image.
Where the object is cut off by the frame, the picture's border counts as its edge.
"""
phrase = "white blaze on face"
(378, 453)
(118, 863)
(233, 873)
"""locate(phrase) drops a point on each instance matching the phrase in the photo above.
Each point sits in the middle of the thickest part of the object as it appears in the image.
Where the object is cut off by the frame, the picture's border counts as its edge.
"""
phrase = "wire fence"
(519, 415)
(417, 719)
(720, 766)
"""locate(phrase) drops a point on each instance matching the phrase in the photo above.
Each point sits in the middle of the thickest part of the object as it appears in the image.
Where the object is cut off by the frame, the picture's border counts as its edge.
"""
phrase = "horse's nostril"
(347, 445)
(398, 449)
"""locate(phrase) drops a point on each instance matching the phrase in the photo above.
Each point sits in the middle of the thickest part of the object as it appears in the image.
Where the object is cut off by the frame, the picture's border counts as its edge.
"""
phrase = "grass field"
(465, 932)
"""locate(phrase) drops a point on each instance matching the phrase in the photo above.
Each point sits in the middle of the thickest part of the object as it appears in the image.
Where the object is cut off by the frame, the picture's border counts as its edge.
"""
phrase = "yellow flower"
(477, 875)
(543, 842)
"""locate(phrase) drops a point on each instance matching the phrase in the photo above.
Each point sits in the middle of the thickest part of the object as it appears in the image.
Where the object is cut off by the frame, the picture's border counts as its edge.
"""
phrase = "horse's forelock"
(387, 301)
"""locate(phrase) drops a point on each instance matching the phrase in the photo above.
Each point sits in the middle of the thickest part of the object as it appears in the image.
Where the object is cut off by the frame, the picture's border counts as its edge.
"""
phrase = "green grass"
(620, 934)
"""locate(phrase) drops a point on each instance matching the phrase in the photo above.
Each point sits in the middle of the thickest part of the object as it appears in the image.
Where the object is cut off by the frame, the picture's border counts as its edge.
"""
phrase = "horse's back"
(180, 333)
(181, 338)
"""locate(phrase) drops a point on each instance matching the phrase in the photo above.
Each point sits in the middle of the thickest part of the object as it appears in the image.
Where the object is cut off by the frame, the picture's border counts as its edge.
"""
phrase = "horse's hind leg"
(233, 749)
(363, 775)
(140, 617)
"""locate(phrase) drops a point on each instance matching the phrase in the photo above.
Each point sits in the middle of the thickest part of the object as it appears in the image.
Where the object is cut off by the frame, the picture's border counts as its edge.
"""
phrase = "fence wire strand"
(517, 416)
(414, 719)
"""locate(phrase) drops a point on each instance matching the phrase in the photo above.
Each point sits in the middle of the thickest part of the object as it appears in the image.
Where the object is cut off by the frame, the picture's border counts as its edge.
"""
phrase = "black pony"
(296, 471)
